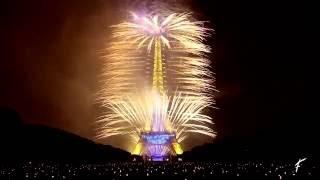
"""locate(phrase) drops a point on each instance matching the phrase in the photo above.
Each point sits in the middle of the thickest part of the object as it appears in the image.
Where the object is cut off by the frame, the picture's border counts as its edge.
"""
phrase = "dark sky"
(50, 62)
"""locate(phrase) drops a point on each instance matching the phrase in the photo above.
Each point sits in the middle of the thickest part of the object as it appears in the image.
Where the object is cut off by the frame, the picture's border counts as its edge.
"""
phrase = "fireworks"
(157, 79)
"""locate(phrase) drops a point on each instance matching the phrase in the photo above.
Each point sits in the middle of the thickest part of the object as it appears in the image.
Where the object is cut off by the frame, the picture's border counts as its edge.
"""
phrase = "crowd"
(183, 170)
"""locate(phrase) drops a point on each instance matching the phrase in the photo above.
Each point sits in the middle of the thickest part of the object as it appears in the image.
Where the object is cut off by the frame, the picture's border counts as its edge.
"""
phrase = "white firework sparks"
(182, 75)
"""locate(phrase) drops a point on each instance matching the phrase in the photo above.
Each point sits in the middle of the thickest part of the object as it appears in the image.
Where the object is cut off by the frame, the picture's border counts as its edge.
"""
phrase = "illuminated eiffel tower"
(158, 68)
(157, 145)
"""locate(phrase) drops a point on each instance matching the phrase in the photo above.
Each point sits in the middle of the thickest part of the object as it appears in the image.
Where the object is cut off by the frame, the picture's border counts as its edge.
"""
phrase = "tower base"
(157, 146)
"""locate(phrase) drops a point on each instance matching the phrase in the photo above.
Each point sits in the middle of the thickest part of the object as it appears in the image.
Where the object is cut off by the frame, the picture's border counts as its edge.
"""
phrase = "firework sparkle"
(157, 78)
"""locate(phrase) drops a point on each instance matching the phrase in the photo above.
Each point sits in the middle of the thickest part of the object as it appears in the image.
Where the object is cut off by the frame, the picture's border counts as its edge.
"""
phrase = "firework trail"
(157, 78)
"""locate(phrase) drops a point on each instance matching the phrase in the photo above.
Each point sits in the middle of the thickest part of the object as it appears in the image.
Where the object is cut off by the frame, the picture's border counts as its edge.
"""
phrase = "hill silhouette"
(254, 149)
(24, 141)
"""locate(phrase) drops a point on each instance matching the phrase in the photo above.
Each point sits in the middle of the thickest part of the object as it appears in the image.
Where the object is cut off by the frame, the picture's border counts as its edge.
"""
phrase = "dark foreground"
(178, 170)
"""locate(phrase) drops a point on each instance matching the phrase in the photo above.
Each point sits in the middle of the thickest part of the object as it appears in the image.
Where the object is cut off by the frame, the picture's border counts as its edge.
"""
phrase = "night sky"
(50, 64)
